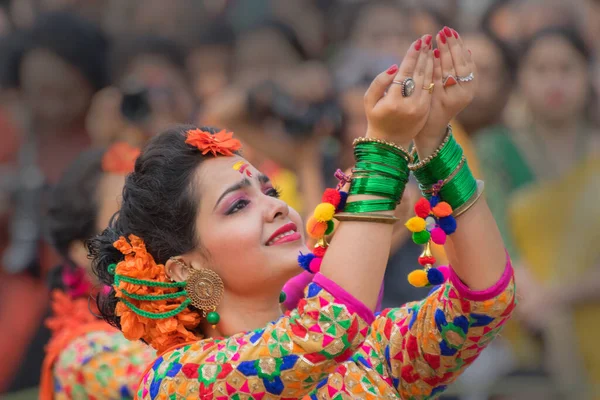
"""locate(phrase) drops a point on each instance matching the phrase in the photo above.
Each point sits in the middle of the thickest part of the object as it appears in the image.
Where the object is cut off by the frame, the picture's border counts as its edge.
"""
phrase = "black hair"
(73, 209)
(159, 205)
(127, 51)
(489, 14)
(77, 41)
(569, 33)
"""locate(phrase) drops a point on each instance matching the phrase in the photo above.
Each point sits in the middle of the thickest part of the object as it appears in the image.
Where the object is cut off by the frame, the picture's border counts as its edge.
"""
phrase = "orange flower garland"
(159, 333)
(220, 143)
(120, 158)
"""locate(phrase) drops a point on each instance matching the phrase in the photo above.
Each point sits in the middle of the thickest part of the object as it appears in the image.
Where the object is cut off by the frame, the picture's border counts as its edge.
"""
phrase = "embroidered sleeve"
(425, 345)
(416, 350)
(101, 363)
(287, 358)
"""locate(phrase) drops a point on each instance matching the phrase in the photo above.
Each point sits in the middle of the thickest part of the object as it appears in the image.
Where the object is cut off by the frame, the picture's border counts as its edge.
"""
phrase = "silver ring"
(467, 78)
(408, 86)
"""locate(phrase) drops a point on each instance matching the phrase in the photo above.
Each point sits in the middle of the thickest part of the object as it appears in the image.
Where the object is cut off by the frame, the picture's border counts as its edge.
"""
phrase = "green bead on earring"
(282, 297)
(213, 318)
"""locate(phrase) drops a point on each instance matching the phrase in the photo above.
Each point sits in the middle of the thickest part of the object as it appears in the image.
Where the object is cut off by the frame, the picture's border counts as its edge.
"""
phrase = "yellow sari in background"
(556, 228)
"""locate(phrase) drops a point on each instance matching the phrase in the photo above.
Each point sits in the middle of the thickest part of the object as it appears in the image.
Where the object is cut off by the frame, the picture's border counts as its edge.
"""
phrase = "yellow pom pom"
(324, 212)
(416, 224)
(418, 278)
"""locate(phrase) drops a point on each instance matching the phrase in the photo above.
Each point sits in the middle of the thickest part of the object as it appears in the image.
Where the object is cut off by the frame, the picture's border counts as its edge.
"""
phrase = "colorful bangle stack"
(443, 175)
(381, 170)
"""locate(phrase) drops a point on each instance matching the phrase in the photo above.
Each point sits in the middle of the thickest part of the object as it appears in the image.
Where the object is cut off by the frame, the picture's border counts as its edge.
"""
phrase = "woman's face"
(555, 80)
(251, 238)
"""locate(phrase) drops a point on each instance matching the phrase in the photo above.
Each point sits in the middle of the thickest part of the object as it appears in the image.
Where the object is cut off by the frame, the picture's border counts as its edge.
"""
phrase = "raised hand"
(397, 111)
(454, 81)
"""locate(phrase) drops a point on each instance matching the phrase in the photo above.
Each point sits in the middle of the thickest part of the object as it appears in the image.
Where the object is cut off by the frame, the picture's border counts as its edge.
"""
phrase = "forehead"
(218, 173)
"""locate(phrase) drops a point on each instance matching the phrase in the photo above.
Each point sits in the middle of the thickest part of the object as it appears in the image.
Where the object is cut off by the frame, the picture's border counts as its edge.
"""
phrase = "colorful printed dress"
(333, 347)
(87, 358)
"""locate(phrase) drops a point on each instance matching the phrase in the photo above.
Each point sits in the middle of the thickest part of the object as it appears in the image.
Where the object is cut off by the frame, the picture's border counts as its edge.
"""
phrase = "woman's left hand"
(453, 65)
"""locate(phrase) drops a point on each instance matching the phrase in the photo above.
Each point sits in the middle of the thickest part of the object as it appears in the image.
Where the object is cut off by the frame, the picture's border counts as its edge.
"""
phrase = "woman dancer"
(202, 246)
(82, 204)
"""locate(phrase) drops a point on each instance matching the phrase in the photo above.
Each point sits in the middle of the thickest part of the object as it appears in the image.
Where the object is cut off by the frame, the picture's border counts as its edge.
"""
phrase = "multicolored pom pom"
(330, 227)
(315, 265)
(422, 208)
(315, 229)
(304, 260)
(319, 251)
(324, 212)
(416, 224)
(432, 223)
(331, 196)
(343, 200)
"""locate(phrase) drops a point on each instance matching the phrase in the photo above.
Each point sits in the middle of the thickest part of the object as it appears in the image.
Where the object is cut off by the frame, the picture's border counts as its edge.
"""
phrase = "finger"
(445, 56)
(409, 63)
(378, 87)
(425, 54)
(428, 76)
(437, 68)
(457, 53)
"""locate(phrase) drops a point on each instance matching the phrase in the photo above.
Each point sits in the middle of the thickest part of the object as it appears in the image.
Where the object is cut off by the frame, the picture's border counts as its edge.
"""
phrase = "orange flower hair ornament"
(151, 307)
(120, 158)
(221, 143)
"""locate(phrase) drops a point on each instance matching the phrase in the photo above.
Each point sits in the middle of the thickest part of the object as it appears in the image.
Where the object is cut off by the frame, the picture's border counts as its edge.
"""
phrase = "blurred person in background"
(209, 59)
(57, 77)
(151, 90)
(81, 205)
(542, 181)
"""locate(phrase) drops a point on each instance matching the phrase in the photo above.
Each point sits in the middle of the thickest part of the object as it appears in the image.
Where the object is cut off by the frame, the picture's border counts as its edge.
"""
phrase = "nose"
(276, 208)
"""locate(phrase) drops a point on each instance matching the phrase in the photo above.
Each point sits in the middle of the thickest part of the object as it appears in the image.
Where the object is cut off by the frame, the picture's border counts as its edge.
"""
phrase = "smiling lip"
(291, 227)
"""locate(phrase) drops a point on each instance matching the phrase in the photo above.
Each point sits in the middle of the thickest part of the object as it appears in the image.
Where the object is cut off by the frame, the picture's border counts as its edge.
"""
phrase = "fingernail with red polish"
(392, 70)
(436, 53)
(455, 33)
(428, 39)
(443, 37)
(418, 44)
(447, 31)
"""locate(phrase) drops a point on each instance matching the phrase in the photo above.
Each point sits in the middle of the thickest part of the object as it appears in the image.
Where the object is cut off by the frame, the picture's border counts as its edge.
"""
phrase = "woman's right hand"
(391, 116)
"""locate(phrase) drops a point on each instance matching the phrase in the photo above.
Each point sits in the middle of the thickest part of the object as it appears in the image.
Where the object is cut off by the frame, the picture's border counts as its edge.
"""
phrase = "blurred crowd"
(288, 77)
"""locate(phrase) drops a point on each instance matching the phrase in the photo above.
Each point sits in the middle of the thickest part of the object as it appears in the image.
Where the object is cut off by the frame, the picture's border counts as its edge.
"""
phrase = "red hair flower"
(120, 158)
(220, 143)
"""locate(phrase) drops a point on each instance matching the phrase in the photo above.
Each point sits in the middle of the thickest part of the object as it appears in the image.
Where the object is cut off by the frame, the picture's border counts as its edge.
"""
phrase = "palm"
(447, 101)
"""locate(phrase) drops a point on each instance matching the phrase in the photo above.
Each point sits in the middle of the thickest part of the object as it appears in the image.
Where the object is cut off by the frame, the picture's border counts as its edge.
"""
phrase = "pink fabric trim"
(483, 295)
(341, 295)
(294, 289)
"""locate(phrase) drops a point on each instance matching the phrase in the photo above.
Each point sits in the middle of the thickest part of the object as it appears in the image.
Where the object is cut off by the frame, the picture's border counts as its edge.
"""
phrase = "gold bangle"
(405, 154)
(471, 202)
(422, 163)
(367, 217)
(463, 160)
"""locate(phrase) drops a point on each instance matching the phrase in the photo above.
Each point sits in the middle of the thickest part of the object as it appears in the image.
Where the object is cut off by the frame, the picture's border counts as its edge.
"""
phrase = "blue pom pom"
(343, 199)
(304, 260)
(448, 224)
(435, 277)
(434, 200)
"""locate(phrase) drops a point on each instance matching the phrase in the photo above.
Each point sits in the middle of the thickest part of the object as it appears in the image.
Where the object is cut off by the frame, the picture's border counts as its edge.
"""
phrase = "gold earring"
(205, 289)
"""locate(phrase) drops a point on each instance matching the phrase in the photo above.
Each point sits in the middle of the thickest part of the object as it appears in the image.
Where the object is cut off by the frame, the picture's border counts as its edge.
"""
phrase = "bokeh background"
(288, 78)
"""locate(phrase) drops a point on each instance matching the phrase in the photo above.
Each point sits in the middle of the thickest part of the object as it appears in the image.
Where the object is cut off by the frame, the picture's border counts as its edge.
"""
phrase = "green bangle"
(367, 166)
(369, 206)
(442, 165)
(378, 186)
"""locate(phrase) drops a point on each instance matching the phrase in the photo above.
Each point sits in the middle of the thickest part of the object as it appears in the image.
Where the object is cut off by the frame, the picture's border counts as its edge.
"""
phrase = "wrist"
(427, 144)
(375, 134)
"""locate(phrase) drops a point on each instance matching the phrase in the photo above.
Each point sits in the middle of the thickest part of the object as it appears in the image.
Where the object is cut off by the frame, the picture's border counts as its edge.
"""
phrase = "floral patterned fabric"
(100, 365)
(86, 358)
(329, 348)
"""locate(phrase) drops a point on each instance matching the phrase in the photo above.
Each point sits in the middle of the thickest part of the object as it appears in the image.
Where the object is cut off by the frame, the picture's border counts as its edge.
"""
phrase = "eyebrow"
(244, 183)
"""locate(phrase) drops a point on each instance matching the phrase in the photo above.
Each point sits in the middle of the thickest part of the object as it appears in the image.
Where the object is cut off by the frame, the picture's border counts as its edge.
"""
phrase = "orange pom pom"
(442, 210)
(422, 208)
(418, 278)
(315, 229)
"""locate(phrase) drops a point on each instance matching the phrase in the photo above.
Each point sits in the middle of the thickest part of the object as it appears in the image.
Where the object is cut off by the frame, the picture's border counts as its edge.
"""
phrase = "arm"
(103, 363)
(325, 329)
(476, 250)
(359, 251)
